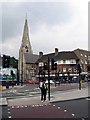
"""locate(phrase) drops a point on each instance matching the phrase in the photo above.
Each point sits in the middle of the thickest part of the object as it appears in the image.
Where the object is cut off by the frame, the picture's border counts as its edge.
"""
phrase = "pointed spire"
(26, 15)
(25, 38)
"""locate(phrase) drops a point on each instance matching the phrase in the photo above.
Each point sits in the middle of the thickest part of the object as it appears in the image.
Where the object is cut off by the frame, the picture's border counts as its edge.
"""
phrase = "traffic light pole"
(48, 78)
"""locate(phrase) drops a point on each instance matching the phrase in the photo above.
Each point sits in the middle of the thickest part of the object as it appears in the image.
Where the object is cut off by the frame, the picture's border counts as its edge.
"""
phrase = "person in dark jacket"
(43, 88)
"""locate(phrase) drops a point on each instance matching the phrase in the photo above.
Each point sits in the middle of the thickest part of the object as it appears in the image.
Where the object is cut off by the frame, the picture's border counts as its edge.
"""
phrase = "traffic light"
(6, 61)
(88, 68)
(78, 68)
(53, 64)
(45, 66)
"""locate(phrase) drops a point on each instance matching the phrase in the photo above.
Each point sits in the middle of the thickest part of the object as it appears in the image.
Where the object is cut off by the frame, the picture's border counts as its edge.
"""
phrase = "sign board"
(5, 74)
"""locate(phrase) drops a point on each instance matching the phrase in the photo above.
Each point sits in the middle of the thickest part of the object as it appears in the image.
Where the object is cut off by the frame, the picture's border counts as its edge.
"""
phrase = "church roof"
(30, 58)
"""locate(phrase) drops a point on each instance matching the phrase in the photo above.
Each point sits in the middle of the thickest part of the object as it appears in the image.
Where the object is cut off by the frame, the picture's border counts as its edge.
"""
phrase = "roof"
(30, 58)
(64, 55)
(87, 51)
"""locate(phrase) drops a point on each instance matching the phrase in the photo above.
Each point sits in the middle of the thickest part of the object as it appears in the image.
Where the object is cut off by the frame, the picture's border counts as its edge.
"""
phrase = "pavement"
(54, 97)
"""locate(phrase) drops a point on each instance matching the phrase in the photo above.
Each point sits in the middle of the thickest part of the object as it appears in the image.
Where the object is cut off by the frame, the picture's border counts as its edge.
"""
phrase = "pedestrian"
(43, 88)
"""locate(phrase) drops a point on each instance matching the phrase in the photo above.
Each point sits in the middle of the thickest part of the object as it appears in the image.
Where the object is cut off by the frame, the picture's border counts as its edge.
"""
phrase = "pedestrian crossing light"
(78, 68)
(53, 64)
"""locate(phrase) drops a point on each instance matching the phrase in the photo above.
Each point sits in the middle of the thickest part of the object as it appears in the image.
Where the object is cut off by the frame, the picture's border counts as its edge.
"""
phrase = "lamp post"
(48, 78)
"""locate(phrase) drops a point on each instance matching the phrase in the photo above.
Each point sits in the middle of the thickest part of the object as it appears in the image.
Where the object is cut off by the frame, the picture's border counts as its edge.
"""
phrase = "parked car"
(75, 79)
(28, 82)
(37, 82)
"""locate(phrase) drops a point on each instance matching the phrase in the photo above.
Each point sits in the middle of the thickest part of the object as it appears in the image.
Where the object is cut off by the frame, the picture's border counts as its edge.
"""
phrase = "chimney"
(56, 51)
(40, 54)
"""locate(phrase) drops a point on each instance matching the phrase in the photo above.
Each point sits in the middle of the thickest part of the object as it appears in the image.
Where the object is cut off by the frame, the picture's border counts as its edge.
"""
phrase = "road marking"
(65, 110)
(58, 107)
(87, 98)
(41, 105)
(73, 114)
(33, 105)
(25, 105)
(9, 112)
(26, 90)
(21, 106)
(12, 106)
(30, 95)
(53, 105)
(37, 105)
(17, 107)
(9, 117)
(8, 109)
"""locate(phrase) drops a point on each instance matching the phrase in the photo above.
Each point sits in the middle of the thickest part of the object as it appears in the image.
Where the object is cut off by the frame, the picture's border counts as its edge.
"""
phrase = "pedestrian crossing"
(46, 107)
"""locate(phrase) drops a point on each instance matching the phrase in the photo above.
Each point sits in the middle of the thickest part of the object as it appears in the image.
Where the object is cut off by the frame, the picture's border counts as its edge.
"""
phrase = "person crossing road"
(43, 88)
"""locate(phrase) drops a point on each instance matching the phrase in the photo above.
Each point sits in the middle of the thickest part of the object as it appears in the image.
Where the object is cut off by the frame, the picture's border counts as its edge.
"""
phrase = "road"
(80, 107)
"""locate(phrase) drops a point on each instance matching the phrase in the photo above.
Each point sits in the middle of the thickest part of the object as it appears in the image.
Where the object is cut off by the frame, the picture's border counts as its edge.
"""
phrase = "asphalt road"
(80, 108)
(4, 113)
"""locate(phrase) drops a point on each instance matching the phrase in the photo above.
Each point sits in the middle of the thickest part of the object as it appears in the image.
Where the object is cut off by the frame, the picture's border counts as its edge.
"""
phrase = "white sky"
(62, 24)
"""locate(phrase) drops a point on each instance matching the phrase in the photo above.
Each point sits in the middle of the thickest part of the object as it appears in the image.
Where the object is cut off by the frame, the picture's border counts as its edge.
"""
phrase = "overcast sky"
(62, 25)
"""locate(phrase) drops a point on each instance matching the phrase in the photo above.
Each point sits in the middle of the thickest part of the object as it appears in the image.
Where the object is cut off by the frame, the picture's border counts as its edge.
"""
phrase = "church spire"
(25, 39)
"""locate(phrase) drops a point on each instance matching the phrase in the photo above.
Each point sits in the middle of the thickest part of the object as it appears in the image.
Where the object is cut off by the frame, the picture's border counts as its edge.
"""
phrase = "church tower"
(25, 48)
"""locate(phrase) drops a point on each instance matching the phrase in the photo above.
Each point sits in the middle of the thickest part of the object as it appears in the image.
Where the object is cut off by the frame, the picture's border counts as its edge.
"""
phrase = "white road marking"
(9, 112)
(25, 105)
(41, 105)
(22, 106)
(87, 98)
(26, 90)
(65, 110)
(53, 105)
(73, 114)
(9, 117)
(58, 107)
(12, 106)
(33, 105)
(17, 107)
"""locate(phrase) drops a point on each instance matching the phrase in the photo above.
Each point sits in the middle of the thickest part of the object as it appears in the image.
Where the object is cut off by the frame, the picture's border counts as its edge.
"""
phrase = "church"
(26, 62)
